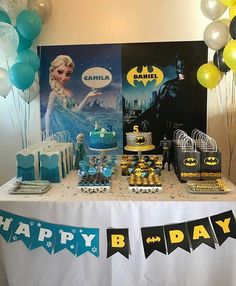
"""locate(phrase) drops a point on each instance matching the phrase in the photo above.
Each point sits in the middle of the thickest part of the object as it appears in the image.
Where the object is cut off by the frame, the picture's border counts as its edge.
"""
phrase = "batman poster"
(160, 88)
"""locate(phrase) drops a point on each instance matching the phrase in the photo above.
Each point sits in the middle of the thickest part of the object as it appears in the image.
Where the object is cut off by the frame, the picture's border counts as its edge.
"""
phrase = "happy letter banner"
(78, 240)
(53, 237)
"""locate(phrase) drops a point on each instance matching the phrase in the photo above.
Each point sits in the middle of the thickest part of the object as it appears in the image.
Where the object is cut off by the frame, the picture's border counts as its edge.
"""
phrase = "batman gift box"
(187, 166)
(210, 165)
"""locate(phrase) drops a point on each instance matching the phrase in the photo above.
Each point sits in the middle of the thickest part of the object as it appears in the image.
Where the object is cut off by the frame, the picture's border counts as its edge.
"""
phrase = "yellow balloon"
(232, 11)
(228, 2)
(208, 75)
(229, 55)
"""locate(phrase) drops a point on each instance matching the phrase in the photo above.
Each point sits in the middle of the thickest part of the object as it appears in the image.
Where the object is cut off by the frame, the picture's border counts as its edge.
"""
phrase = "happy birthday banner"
(78, 240)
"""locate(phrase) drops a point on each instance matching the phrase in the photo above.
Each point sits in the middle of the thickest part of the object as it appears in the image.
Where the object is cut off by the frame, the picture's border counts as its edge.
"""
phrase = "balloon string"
(28, 116)
(17, 111)
(233, 106)
(221, 108)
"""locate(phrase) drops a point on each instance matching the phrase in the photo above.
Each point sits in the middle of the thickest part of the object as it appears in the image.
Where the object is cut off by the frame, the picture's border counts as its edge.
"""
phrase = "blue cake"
(102, 139)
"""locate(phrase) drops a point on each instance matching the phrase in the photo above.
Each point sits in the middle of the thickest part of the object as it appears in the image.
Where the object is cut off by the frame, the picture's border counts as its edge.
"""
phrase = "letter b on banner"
(117, 240)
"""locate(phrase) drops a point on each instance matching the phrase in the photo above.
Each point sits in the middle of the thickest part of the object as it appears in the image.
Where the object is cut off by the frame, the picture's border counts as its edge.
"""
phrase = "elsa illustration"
(62, 107)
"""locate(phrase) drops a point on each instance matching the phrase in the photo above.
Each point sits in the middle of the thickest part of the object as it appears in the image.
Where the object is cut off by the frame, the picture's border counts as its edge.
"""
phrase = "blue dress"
(63, 118)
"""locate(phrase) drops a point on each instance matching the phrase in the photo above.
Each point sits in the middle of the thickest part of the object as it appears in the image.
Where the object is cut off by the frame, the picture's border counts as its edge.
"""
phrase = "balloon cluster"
(15, 43)
(220, 36)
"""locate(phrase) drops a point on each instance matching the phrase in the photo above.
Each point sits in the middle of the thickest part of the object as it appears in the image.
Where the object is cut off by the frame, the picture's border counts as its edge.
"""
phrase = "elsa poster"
(80, 86)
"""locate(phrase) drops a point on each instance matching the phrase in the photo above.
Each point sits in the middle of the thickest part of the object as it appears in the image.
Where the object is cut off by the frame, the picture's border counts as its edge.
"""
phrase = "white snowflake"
(72, 246)
(94, 249)
(14, 238)
(80, 230)
(60, 231)
(73, 230)
(49, 244)
(32, 223)
(39, 224)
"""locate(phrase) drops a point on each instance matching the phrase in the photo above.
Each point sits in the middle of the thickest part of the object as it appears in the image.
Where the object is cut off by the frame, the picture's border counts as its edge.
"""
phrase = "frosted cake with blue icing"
(102, 138)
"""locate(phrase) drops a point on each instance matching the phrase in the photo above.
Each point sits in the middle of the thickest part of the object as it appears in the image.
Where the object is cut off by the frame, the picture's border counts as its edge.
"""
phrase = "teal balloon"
(24, 44)
(4, 17)
(29, 57)
(29, 24)
(22, 75)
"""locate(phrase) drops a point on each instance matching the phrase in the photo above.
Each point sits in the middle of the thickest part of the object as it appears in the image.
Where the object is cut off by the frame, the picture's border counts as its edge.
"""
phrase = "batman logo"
(211, 161)
(190, 162)
(145, 76)
(140, 140)
(153, 239)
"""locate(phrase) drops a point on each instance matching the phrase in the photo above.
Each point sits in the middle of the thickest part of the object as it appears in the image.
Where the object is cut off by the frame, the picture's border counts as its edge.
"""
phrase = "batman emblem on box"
(190, 162)
(211, 161)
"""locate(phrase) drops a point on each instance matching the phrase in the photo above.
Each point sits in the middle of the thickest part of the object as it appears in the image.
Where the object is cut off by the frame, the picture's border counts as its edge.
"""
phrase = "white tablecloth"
(64, 204)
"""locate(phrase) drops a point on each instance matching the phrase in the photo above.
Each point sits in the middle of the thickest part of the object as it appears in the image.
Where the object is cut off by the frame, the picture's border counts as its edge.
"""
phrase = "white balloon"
(31, 93)
(43, 7)
(9, 40)
(212, 9)
(216, 35)
(5, 83)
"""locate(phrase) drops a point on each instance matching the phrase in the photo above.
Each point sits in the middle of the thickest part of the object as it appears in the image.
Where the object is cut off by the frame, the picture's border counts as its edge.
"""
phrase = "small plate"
(30, 187)
(201, 191)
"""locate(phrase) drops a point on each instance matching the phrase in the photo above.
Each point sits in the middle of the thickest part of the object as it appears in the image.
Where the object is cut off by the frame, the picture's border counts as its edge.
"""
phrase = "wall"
(103, 21)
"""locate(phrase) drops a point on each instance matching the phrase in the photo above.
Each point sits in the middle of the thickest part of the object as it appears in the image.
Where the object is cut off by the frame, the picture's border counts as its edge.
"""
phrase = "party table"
(65, 204)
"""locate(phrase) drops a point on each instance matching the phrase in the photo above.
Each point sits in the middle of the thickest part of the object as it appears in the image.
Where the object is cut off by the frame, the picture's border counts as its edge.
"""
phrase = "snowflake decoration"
(14, 237)
(39, 224)
(94, 249)
(73, 230)
(32, 223)
(49, 244)
(80, 230)
(60, 231)
(72, 246)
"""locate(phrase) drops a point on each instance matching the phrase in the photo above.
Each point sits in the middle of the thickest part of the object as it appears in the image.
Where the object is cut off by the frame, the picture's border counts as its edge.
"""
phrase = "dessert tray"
(207, 187)
(29, 187)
